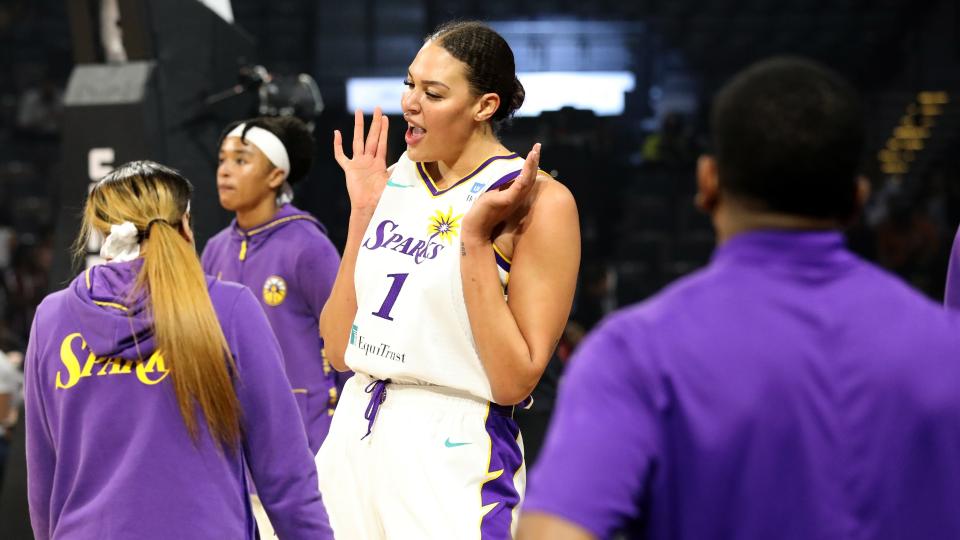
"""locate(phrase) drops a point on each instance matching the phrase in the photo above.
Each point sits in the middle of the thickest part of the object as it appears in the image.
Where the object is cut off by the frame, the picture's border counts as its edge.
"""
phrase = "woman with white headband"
(278, 251)
(152, 391)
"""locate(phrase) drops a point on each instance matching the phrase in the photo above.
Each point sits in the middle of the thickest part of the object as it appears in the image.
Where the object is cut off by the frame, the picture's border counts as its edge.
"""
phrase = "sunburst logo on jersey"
(445, 226)
(274, 290)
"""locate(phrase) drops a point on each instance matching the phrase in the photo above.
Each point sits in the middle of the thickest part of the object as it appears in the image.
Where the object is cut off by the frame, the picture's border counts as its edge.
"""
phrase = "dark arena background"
(618, 93)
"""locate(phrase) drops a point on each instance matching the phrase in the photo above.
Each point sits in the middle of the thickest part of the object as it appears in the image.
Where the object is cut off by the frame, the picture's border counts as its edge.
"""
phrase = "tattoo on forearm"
(463, 250)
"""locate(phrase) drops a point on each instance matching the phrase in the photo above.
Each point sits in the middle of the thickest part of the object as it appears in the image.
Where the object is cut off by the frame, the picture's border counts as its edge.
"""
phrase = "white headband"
(268, 143)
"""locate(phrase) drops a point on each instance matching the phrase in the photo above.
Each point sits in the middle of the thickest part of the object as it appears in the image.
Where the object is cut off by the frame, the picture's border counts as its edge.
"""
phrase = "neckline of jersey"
(431, 185)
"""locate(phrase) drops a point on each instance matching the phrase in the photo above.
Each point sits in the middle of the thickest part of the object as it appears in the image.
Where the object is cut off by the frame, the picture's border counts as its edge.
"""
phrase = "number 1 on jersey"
(384, 311)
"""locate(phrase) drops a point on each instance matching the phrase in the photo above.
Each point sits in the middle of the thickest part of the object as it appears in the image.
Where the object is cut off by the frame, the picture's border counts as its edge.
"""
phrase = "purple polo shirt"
(789, 390)
(290, 265)
(108, 453)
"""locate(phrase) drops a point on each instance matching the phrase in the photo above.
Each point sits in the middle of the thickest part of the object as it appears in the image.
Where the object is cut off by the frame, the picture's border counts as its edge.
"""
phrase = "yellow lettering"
(70, 361)
(154, 364)
(88, 365)
(121, 366)
(107, 362)
(111, 366)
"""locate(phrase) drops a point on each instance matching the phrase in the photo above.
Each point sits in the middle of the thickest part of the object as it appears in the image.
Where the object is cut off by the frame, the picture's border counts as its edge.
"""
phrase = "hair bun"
(519, 94)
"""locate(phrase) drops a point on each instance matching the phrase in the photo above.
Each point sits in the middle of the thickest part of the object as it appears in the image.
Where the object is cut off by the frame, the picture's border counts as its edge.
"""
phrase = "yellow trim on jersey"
(299, 390)
(523, 464)
(121, 307)
(506, 280)
(424, 174)
(425, 177)
(508, 259)
(281, 221)
(260, 229)
(489, 475)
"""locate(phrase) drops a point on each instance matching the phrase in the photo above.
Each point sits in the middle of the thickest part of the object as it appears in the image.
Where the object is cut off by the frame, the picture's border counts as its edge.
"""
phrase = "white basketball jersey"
(411, 325)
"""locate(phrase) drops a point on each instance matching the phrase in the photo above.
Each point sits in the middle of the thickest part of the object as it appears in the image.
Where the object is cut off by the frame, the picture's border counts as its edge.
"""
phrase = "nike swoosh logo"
(449, 444)
(391, 183)
(486, 509)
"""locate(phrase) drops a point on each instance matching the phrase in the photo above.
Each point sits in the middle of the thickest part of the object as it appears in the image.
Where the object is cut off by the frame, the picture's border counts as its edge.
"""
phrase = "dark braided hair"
(489, 60)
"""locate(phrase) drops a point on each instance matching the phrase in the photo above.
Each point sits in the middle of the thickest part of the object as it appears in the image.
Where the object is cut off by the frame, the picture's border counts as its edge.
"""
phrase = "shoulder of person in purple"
(290, 231)
(710, 339)
(54, 301)
(222, 237)
(246, 327)
(300, 222)
(48, 315)
(215, 251)
(604, 440)
(951, 295)
(316, 259)
(316, 224)
(316, 267)
(238, 311)
(306, 234)
(276, 446)
(224, 295)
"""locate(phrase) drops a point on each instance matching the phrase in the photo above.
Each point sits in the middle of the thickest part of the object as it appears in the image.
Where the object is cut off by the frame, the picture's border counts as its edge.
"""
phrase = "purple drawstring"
(378, 393)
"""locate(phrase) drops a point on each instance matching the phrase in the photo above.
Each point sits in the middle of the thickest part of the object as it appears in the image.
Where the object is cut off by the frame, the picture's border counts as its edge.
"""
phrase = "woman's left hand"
(494, 207)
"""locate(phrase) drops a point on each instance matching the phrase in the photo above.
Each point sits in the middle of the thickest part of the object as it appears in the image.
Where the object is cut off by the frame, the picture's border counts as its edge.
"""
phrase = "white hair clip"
(122, 244)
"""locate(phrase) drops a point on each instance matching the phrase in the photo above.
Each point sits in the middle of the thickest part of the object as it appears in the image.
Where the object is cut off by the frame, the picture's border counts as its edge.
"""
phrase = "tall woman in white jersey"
(456, 282)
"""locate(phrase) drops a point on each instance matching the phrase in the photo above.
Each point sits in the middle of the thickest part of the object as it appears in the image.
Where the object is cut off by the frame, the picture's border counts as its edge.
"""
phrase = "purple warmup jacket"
(108, 453)
(789, 390)
(290, 265)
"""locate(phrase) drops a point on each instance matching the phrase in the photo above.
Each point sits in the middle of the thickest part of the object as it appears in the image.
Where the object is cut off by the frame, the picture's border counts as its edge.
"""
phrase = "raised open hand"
(493, 207)
(366, 171)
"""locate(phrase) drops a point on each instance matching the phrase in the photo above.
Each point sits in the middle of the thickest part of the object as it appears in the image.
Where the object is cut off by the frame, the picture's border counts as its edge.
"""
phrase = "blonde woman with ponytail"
(142, 413)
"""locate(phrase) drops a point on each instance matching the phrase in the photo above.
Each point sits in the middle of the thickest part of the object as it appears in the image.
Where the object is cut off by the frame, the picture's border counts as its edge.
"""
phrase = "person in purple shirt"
(951, 296)
(151, 388)
(279, 252)
(788, 390)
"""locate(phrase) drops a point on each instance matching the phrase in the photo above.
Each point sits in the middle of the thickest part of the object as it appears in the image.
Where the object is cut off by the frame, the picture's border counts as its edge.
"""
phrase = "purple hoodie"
(289, 264)
(108, 454)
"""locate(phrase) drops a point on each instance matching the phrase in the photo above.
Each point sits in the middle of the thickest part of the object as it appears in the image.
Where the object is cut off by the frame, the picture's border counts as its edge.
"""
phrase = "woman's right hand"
(366, 172)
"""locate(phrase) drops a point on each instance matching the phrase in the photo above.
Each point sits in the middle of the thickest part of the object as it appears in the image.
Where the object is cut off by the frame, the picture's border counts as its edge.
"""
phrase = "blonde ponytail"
(188, 334)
